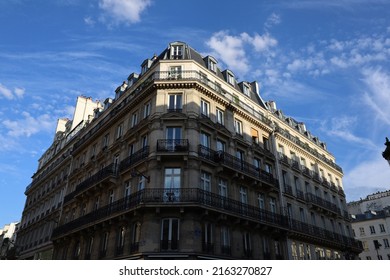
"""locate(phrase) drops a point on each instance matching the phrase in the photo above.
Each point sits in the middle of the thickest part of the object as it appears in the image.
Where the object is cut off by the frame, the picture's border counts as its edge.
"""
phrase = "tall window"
(111, 197)
(222, 187)
(120, 240)
(205, 108)
(244, 199)
(372, 229)
(238, 126)
(170, 234)
(173, 134)
(106, 139)
(272, 204)
(174, 102)
(144, 141)
(172, 184)
(127, 189)
(386, 242)
(246, 238)
(177, 52)
(207, 237)
(89, 247)
(255, 136)
(205, 181)
(205, 139)
(119, 131)
(382, 227)
(225, 240)
(261, 201)
(134, 119)
(220, 145)
(135, 236)
(104, 244)
(220, 116)
(147, 107)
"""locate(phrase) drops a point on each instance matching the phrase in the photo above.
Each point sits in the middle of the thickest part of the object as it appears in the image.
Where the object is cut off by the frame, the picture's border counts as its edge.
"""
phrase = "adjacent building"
(186, 162)
(7, 241)
(371, 225)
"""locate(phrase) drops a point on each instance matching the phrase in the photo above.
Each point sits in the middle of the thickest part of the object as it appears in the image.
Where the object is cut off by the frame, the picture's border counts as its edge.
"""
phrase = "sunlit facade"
(188, 163)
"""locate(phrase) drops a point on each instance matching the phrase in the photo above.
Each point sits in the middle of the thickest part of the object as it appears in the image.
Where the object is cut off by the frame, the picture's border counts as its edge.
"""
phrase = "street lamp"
(386, 153)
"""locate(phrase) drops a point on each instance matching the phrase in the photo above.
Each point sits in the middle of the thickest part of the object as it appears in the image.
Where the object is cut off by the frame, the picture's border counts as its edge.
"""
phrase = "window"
(111, 197)
(361, 230)
(88, 249)
(207, 237)
(205, 181)
(220, 145)
(212, 65)
(120, 240)
(147, 109)
(172, 184)
(174, 102)
(220, 117)
(266, 143)
(382, 227)
(119, 131)
(243, 195)
(302, 215)
(230, 78)
(222, 187)
(272, 204)
(246, 238)
(257, 163)
(238, 126)
(261, 200)
(205, 108)
(134, 119)
(141, 183)
(255, 136)
(127, 189)
(246, 90)
(205, 139)
(225, 240)
(386, 242)
(268, 168)
(169, 234)
(175, 72)
(104, 244)
(144, 141)
(106, 139)
(173, 135)
(93, 151)
(372, 229)
(177, 51)
(96, 204)
(135, 237)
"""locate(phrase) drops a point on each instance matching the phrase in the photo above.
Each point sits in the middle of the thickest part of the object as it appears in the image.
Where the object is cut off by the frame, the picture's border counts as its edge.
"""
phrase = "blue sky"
(325, 63)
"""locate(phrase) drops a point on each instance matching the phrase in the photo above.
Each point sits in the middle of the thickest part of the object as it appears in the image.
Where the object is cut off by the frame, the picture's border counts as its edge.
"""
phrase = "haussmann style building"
(185, 163)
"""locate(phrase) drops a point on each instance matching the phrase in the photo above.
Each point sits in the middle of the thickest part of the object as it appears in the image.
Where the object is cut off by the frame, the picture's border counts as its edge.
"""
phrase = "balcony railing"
(237, 164)
(109, 170)
(174, 196)
(172, 145)
(288, 190)
(318, 201)
(134, 158)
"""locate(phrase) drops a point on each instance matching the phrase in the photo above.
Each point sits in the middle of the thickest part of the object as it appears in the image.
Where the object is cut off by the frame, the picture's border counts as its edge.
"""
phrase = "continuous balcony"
(134, 158)
(317, 201)
(237, 164)
(171, 197)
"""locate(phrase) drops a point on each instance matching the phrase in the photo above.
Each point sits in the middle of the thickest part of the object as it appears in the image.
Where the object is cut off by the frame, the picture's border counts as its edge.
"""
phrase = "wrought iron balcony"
(284, 159)
(237, 164)
(134, 158)
(106, 172)
(295, 165)
(318, 201)
(182, 196)
(306, 171)
(172, 145)
(288, 190)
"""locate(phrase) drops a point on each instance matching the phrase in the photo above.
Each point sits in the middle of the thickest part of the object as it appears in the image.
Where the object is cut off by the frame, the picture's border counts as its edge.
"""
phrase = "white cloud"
(232, 49)
(272, 20)
(370, 176)
(5, 92)
(17, 93)
(128, 11)
(29, 125)
(377, 95)
(89, 21)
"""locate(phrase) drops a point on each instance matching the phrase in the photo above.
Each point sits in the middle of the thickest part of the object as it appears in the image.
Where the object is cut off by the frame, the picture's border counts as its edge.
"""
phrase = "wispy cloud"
(377, 96)
(29, 125)
(16, 93)
(126, 11)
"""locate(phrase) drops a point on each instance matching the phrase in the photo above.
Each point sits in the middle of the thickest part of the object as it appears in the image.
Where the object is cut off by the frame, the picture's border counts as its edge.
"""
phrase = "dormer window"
(144, 68)
(246, 90)
(177, 52)
(213, 65)
(229, 77)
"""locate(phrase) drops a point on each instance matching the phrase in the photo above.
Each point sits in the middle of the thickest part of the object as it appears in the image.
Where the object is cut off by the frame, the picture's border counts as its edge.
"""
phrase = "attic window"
(177, 52)
(230, 78)
(246, 90)
(212, 65)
